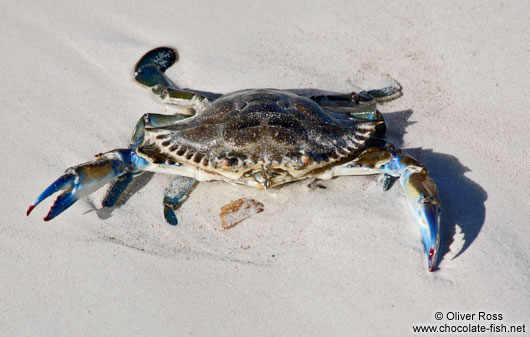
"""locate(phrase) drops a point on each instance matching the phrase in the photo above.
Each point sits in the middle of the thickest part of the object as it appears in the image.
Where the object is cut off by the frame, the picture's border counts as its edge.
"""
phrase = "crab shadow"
(463, 200)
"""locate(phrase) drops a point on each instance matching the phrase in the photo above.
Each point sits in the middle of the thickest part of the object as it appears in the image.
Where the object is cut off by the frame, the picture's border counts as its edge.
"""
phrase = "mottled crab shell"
(266, 136)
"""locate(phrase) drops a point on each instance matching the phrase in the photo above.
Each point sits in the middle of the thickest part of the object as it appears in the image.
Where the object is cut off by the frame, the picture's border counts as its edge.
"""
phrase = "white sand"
(346, 260)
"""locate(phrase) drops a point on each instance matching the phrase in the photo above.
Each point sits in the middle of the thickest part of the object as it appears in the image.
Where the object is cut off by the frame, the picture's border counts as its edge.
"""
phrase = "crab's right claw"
(84, 179)
(65, 200)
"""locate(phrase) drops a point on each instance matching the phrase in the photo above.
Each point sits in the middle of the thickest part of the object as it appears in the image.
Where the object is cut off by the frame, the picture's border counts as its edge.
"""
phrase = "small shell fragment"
(238, 210)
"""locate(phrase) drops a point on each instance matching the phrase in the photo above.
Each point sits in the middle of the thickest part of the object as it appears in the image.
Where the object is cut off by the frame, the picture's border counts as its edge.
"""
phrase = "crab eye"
(355, 97)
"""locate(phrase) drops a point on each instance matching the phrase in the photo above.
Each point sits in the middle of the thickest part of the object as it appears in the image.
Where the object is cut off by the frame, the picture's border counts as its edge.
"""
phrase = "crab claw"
(420, 189)
(422, 198)
(82, 180)
(65, 182)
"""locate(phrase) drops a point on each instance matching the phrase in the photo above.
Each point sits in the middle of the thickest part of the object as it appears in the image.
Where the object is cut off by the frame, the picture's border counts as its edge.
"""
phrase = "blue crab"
(259, 137)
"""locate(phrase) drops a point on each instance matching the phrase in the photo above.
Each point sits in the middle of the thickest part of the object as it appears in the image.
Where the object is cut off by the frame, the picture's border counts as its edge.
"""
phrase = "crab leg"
(361, 105)
(150, 72)
(116, 189)
(82, 180)
(177, 193)
(152, 120)
(420, 190)
(147, 120)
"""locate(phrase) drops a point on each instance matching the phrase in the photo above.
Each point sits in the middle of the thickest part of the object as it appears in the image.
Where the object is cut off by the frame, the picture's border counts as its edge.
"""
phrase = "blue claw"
(65, 200)
(422, 198)
(430, 215)
(84, 179)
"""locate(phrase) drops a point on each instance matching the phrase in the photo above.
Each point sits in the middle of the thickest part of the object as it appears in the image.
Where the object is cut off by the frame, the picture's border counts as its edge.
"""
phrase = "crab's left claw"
(82, 180)
(420, 190)
(424, 204)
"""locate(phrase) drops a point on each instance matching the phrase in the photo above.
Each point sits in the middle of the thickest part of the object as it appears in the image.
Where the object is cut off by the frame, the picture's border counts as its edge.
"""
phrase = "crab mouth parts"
(266, 177)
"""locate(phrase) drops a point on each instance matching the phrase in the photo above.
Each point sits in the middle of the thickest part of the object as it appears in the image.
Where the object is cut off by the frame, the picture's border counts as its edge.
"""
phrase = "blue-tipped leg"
(162, 57)
(149, 71)
(175, 196)
(116, 190)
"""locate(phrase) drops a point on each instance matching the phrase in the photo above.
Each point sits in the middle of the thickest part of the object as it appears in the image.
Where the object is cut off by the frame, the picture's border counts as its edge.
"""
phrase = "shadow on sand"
(136, 185)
